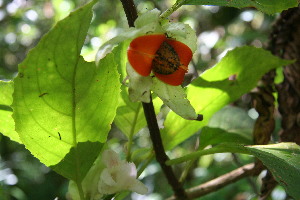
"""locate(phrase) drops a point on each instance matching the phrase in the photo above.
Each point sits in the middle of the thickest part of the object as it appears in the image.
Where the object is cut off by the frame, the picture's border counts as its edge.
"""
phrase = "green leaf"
(283, 160)
(61, 100)
(214, 89)
(175, 98)
(266, 6)
(212, 136)
(230, 124)
(233, 119)
(130, 116)
(7, 124)
(90, 181)
(85, 153)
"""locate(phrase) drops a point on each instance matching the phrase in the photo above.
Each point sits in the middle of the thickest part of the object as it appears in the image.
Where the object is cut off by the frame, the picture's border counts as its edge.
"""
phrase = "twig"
(158, 147)
(222, 181)
(169, 11)
(249, 179)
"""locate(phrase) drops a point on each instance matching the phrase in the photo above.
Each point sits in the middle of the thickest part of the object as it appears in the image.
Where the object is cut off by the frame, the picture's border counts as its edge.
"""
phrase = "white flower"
(118, 176)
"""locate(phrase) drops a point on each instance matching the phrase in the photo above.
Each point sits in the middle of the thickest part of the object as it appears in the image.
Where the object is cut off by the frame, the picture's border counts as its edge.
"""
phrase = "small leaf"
(175, 98)
(214, 89)
(266, 6)
(283, 160)
(7, 124)
(60, 100)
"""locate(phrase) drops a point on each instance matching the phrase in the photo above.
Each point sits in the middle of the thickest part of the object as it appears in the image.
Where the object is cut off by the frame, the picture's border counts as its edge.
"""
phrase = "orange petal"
(172, 79)
(142, 51)
(184, 52)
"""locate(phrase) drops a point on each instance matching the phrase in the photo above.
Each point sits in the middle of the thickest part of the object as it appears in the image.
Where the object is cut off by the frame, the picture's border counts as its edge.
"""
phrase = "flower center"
(166, 60)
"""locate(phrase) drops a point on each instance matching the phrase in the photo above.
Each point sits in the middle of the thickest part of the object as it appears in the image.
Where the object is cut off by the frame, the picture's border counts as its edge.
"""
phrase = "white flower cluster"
(118, 175)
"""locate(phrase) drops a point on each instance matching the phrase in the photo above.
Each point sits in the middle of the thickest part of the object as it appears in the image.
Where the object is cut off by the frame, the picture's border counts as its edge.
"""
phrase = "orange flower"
(167, 58)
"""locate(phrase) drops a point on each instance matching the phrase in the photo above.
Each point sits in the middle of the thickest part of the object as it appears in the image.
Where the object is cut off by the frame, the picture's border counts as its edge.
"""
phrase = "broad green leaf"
(85, 153)
(212, 136)
(175, 98)
(90, 181)
(7, 124)
(233, 119)
(230, 124)
(283, 160)
(266, 6)
(61, 100)
(214, 89)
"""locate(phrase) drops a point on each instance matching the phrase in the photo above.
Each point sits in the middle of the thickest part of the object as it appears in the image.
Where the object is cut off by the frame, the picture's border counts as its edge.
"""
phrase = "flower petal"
(142, 51)
(106, 177)
(184, 52)
(172, 79)
(110, 158)
(138, 187)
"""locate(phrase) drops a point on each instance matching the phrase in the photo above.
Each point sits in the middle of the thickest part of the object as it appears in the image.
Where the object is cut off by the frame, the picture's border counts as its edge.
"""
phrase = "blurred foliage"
(22, 24)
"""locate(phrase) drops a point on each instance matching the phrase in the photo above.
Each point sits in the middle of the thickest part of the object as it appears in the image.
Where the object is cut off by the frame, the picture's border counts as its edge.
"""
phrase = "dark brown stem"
(222, 181)
(130, 11)
(158, 147)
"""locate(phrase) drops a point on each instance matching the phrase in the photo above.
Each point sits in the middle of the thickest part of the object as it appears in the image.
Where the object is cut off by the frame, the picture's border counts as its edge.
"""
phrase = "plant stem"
(218, 149)
(130, 11)
(169, 11)
(128, 157)
(80, 190)
(148, 160)
(160, 153)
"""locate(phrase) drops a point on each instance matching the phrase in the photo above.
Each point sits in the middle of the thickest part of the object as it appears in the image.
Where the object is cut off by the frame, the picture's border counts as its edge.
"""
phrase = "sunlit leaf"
(267, 6)
(236, 74)
(7, 124)
(61, 100)
(175, 98)
(283, 160)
